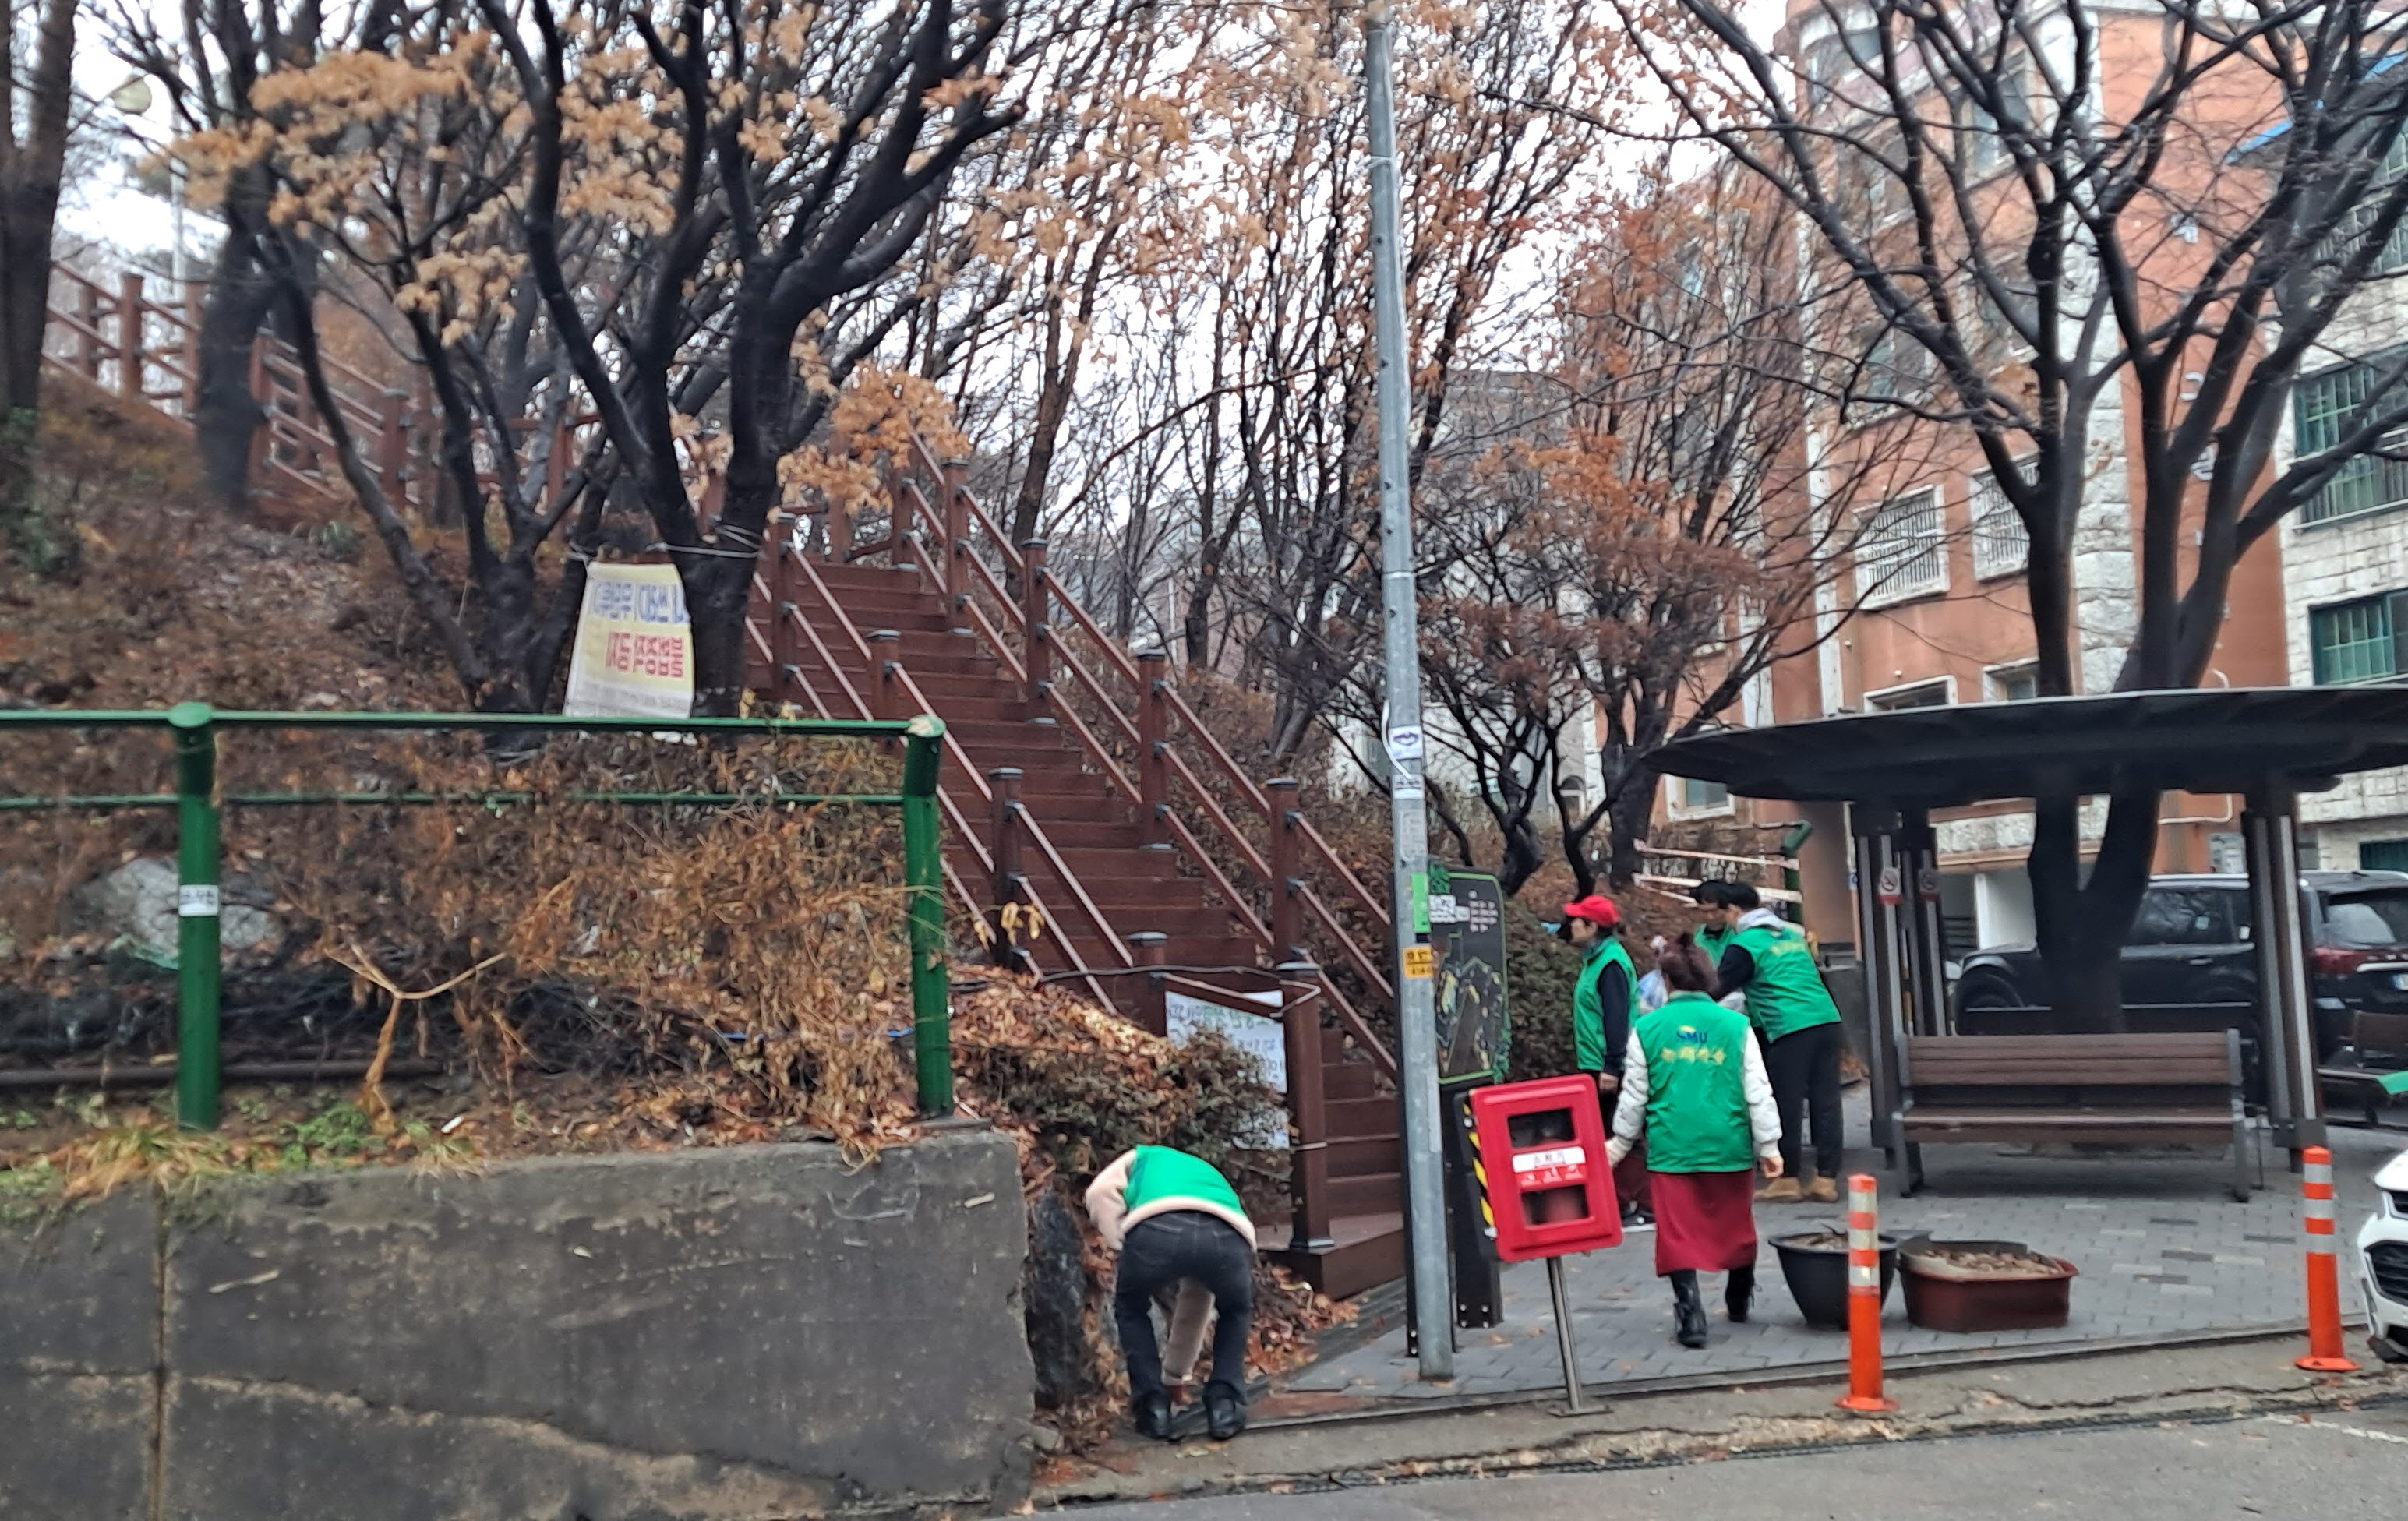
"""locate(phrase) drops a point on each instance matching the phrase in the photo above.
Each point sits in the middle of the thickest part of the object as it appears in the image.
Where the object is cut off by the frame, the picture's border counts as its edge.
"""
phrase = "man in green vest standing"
(1174, 1219)
(1766, 959)
(1714, 918)
(1604, 998)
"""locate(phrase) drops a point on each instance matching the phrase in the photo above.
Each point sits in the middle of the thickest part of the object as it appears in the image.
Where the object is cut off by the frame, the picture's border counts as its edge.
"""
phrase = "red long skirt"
(1703, 1220)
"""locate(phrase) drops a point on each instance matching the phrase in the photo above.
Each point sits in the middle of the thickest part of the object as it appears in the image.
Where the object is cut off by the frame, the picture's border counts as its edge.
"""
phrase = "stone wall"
(748, 1332)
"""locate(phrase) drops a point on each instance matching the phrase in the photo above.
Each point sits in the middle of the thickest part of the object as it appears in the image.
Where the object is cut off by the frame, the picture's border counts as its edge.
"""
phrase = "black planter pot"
(1818, 1277)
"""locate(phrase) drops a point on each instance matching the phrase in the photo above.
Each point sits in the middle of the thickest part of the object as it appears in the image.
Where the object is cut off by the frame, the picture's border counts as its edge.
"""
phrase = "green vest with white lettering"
(1697, 1086)
(1786, 994)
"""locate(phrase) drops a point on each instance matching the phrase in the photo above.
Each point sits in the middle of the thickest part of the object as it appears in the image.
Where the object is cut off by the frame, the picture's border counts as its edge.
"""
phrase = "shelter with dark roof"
(1892, 769)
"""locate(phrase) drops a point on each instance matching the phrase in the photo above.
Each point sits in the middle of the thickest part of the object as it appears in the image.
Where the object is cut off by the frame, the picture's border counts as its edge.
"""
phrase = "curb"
(1816, 1372)
(2199, 1406)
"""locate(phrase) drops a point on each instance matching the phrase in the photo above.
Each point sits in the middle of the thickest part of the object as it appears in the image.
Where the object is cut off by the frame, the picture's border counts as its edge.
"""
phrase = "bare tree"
(804, 152)
(385, 175)
(1268, 274)
(208, 57)
(2112, 241)
(689, 223)
(36, 110)
(1617, 547)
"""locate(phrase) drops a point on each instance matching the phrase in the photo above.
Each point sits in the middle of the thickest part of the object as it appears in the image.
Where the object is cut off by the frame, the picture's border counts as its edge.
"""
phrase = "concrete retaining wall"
(749, 1332)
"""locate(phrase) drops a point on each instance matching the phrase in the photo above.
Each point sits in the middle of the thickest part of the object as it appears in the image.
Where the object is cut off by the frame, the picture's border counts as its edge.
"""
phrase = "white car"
(2382, 1263)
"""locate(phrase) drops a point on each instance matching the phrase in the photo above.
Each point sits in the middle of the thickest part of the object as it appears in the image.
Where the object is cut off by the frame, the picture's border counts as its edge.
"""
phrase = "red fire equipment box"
(1542, 1147)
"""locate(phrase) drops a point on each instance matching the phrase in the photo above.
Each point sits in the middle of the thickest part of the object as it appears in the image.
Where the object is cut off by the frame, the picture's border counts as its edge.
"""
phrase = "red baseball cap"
(1596, 909)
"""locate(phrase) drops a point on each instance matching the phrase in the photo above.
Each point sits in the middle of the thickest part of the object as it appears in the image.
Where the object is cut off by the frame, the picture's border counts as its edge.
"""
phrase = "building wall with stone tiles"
(2326, 563)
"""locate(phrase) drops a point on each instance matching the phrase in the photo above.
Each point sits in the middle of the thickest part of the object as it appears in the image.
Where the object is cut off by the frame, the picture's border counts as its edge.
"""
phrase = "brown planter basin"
(2023, 1301)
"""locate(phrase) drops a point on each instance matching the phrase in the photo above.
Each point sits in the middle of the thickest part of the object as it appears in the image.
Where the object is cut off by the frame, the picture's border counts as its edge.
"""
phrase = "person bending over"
(1174, 1220)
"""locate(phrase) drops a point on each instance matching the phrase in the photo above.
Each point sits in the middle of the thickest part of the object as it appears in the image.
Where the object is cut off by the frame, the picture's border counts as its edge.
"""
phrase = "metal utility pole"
(1433, 1318)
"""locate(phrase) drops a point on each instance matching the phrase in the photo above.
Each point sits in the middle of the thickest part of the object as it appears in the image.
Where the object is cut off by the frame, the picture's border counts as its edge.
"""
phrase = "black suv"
(2190, 944)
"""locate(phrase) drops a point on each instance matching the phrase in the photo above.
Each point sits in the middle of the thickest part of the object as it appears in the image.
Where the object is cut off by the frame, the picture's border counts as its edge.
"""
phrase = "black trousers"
(1804, 1067)
(1156, 1254)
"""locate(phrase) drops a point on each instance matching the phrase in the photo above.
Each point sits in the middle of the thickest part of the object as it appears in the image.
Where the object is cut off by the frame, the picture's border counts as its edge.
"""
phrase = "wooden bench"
(2143, 1089)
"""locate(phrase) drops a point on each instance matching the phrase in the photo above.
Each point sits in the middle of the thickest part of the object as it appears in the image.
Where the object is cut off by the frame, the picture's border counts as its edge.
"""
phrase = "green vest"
(1588, 1010)
(1712, 941)
(1786, 994)
(1697, 1086)
(1161, 1173)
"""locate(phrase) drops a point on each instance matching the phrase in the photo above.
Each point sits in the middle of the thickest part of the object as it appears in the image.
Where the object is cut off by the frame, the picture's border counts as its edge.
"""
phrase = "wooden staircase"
(1081, 793)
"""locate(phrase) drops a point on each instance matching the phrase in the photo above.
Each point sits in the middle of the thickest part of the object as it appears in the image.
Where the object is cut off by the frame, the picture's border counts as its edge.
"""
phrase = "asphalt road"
(2337, 1467)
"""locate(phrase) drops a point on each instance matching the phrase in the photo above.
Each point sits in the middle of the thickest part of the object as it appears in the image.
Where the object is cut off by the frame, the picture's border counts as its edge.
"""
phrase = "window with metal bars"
(2001, 544)
(2350, 232)
(2383, 855)
(2324, 407)
(2359, 642)
(1903, 549)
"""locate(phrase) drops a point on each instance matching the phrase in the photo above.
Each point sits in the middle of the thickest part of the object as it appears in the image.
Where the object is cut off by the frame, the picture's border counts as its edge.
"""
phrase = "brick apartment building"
(1935, 610)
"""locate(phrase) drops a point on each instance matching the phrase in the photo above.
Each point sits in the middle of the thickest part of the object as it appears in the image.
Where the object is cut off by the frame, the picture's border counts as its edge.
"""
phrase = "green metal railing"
(198, 803)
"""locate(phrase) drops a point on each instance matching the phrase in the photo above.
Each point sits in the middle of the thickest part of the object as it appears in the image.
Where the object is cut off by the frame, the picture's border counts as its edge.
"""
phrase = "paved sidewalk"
(2163, 1253)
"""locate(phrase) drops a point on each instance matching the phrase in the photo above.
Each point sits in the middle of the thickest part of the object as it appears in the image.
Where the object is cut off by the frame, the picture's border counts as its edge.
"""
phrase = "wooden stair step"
(1366, 1193)
(1367, 1250)
(1354, 1117)
(1006, 731)
(855, 576)
(1057, 775)
(901, 589)
(1365, 1157)
(1096, 834)
(1092, 826)
(913, 618)
(1353, 1080)
(960, 709)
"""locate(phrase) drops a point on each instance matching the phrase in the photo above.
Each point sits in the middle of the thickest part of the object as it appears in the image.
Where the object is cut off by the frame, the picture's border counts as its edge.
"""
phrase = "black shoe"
(1738, 1292)
(1225, 1409)
(1150, 1414)
(1688, 1315)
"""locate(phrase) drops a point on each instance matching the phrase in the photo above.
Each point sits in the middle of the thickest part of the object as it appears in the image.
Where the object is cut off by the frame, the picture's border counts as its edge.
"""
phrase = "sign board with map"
(1468, 930)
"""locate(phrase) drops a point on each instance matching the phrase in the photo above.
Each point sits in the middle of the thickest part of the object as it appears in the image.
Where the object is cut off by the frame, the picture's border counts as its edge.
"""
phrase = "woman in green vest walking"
(1174, 1219)
(1603, 1000)
(1694, 1090)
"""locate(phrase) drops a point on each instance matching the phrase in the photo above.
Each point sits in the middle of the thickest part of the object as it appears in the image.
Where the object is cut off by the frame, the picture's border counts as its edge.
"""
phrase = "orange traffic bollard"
(2325, 1354)
(1864, 1300)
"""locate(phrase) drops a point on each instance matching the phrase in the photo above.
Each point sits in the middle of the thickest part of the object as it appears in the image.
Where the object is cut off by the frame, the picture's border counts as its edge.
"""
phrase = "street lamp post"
(133, 102)
(1417, 1013)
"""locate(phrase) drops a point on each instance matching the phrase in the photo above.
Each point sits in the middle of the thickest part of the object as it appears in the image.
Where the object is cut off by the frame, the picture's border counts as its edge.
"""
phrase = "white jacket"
(1107, 1206)
(1630, 1115)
